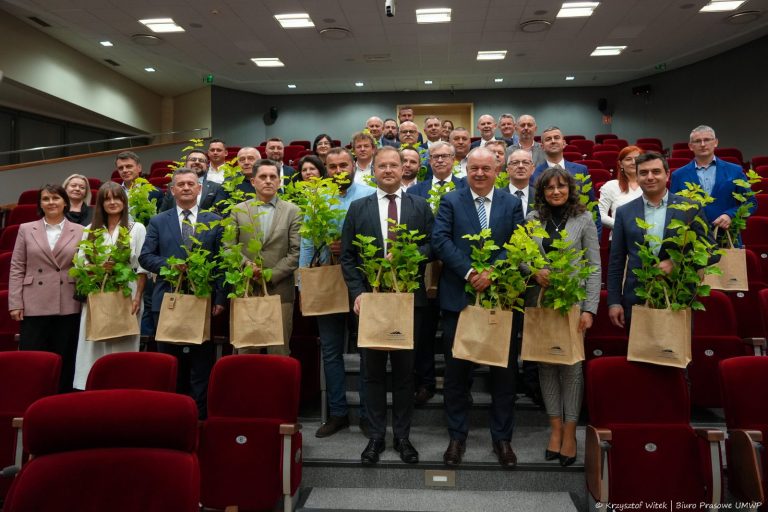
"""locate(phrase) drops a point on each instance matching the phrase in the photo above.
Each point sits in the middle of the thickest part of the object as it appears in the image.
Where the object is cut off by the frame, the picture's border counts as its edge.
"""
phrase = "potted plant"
(140, 207)
(103, 273)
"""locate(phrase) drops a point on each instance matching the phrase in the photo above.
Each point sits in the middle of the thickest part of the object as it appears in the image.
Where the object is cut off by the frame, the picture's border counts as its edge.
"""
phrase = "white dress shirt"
(215, 175)
(524, 198)
(192, 218)
(53, 232)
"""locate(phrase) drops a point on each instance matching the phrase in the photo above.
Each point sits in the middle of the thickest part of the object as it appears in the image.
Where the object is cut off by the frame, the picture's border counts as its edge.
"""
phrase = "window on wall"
(23, 130)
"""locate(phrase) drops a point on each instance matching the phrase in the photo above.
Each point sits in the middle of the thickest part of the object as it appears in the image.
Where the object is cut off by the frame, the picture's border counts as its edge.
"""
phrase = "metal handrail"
(202, 132)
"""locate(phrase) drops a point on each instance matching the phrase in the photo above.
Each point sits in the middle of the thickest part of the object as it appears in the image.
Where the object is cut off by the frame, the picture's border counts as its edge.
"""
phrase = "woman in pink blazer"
(40, 291)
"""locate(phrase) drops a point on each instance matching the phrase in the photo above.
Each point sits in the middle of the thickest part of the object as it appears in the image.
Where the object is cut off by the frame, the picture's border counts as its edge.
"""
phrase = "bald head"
(409, 132)
(526, 128)
(486, 125)
(375, 126)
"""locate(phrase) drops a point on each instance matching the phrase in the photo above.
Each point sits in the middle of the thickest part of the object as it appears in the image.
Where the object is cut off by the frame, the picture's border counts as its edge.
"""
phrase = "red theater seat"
(250, 446)
(746, 415)
(119, 450)
(584, 146)
(607, 158)
(133, 370)
(571, 138)
(22, 213)
(8, 238)
(757, 161)
(28, 197)
(650, 140)
(303, 143)
(590, 164)
(682, 153)
(600, 138)
(640, 446)
(24, 378)
(650, 146)
(619, 144)
(5, 269)
(604, 338)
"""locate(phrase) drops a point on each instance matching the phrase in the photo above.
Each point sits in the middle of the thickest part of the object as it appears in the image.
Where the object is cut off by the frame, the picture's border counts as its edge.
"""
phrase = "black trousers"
(57, 334)
(424, 348)
(375, 362)
(458, 373)
(195, 365)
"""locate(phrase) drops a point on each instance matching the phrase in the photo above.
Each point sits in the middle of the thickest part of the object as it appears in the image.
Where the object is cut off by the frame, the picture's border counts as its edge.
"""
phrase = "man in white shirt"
(275, 151)
(432, 129)
(363, 145)
(460, 140)
(217, 156)
(507, 129)
(519, 169)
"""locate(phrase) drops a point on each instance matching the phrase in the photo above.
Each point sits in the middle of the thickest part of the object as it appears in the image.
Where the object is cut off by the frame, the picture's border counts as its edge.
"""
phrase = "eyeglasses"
(441, 157)
(409, 132)
(515, 163)
(702, 141)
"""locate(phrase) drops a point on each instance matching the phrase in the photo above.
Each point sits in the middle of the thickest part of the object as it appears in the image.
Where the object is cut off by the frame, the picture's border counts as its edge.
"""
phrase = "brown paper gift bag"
(256, 321)
(551, 337)
(483, 335)
(660, 336)
(733, 264)
(184, 318)
(109, 317)
(323, 291)
(386, 321)
(432, 278)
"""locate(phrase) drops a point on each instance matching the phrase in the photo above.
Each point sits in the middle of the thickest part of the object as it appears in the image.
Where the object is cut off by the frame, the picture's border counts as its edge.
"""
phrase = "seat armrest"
(595, 462)
(713, 438)
(744, 471)
(710, 435)
(757, 344)
(288, 429)
(18, 423)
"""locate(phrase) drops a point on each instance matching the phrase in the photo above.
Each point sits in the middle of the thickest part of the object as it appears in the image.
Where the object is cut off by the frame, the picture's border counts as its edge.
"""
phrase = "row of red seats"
(641, 447)
(137, 445)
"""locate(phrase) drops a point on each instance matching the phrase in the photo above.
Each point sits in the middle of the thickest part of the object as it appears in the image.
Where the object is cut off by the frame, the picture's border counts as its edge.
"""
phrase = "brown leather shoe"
(422, 396)
(505, 454)
(452, 455)
(333, 425)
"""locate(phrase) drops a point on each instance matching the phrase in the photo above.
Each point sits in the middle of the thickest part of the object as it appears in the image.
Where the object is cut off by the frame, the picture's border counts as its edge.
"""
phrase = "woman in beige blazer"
(40, 291)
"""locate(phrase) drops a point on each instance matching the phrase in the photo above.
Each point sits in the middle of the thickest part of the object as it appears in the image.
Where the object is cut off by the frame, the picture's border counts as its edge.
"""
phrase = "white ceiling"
(223, 35)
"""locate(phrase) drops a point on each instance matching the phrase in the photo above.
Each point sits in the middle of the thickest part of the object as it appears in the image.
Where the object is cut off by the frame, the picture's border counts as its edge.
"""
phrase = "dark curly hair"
(573, 206)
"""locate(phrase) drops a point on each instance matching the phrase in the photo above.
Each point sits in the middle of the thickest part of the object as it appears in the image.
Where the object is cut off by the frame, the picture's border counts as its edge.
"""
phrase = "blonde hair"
(87, 198)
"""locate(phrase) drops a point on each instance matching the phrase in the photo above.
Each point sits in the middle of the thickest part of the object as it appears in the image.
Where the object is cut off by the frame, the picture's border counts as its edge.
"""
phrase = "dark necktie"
(441, 183)
(186, 229)
(519, 193)
(391, 214)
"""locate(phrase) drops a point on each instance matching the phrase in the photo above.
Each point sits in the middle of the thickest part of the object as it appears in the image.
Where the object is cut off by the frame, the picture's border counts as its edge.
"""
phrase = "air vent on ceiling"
(743, 17)
(335, 33)
(377, 57)
(532, 26)
(146, 39)
(39, 21)
(110, 61)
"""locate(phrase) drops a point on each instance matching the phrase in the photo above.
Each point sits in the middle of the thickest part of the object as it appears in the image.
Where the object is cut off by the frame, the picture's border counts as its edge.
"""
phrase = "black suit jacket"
(363, 219)
(207, 197)
(422, 188)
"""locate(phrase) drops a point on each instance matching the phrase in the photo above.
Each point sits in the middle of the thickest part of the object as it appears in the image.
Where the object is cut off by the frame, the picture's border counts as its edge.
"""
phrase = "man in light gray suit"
(276, 223)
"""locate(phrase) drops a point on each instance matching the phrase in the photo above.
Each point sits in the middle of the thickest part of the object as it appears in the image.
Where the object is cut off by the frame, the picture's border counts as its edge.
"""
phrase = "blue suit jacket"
(456, 217)
(575, 169)
(363, 219)
(163, 240)
(722, 192)
(627, 234)
(422, 188)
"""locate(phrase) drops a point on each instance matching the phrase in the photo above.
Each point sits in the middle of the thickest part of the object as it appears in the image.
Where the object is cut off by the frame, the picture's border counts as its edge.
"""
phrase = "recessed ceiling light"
(150, 70)
(359, 84)
(602, 51)
(577, 9)
(721, 6)
(162, 25)
(570, 78)
(271, 62)
(439, 15)
(498, 80)
(295, 20)
(427, 82)
(106, 43)
(291, 86)
(492, 55)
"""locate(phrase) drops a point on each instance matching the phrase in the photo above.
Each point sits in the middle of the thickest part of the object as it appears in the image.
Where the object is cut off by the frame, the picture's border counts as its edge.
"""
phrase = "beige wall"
(37, 61)
(192, 110)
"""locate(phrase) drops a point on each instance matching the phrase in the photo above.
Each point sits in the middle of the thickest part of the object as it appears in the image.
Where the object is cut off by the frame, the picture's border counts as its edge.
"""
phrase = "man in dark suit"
(389, 135)
(714, 175)
(519, 170)
(275, 151)
(375, 127)
(507, 129)
(197, 161)
(246, 158)
(653, 207)
(553, 142)
(468, 211)
(369, 216)
(486, 126)
(441, 157)
(165, 238)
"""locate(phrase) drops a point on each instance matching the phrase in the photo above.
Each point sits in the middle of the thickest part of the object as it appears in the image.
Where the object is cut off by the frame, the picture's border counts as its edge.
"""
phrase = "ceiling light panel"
(604, 51)
(291, 86)
(721, 6)
(106, 43)
(492, 55)
(161, 25)
(498, 80)
(359, 84)
(272, 62)
(577, 9)
(295, 20)
(438, 15)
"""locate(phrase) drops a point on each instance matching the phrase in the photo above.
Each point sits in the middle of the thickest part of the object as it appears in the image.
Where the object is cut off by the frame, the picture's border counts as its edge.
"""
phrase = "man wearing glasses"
(519, 169)
(714, 175)
(198, 162)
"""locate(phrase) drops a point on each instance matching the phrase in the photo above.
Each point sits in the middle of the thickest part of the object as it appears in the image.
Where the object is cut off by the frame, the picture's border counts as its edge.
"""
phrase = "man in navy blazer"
(164, 239)
(519, 169)
(441, 157)
(369, 216)
(714, 175)
(553, 142)
(652, 176)
(460, 214)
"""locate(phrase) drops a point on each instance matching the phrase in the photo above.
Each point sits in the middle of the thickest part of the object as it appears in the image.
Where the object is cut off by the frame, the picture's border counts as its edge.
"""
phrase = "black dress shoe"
(505, 454)
(371, 453)
(408, 453)
(333, 425)
(452, 455)
(550, 455)
(422, 396)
